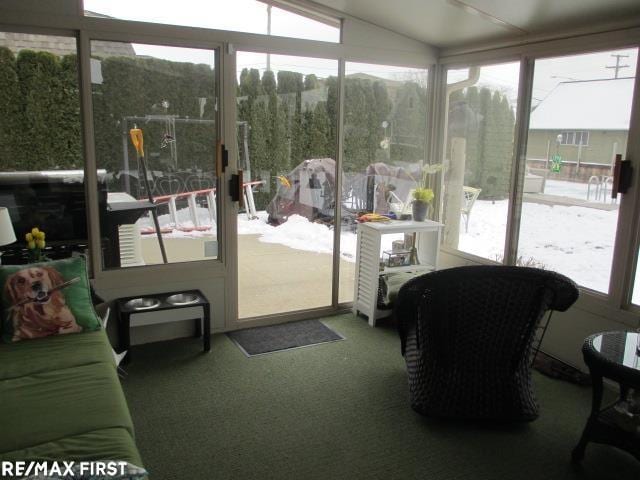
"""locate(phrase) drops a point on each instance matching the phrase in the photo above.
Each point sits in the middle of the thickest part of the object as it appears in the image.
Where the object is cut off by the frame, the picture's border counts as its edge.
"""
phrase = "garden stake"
(138, 142)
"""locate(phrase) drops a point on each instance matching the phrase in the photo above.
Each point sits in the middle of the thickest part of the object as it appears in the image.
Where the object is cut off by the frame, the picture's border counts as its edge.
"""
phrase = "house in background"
(581, 122)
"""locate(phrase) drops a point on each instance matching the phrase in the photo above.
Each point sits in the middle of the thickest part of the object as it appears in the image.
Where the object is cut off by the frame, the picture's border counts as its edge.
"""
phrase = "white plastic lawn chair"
(400, 207)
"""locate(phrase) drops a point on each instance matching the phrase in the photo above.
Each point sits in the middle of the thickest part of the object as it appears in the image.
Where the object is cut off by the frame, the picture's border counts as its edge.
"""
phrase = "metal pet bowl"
(182, 299)
(142, 303)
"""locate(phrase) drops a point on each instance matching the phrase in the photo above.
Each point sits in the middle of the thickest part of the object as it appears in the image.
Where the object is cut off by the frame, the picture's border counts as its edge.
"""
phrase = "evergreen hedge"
(292, 117)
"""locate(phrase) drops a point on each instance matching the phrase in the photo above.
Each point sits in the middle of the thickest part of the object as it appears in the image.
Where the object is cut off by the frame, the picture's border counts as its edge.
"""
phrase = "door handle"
(622, 171)
(222, 158)
(235, 188)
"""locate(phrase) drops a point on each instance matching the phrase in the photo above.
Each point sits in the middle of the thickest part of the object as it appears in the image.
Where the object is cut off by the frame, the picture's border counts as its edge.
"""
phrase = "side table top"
(618, 349)
(400, 226)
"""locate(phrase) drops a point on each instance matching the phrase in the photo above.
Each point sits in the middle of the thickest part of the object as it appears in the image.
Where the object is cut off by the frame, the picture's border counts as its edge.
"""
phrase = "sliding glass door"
(384, 150)
(155, 114)
(286, 131)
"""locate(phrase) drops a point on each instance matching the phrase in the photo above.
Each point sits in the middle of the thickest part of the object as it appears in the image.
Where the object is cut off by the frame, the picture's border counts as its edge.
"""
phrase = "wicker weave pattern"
(467, 336)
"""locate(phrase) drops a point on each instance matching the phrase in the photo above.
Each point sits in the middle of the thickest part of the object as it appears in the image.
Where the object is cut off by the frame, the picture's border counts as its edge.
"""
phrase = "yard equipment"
(138, 142)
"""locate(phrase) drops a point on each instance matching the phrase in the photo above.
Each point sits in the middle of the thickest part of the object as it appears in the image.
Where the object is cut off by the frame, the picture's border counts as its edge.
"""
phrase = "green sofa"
(60, 399)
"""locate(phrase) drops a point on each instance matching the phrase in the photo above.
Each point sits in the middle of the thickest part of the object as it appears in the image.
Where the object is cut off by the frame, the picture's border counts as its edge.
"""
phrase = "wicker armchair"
(467, 336)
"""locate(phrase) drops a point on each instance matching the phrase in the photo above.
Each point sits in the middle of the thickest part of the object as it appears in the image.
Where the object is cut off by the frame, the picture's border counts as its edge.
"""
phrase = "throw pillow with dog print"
(43, 299)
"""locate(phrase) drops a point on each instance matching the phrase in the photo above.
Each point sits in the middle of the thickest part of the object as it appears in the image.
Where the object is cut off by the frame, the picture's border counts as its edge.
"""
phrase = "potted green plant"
(423, 195)
(422, 198)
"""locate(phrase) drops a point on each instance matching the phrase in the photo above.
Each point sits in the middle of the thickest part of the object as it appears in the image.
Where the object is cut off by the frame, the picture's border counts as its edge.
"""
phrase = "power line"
(617, 66)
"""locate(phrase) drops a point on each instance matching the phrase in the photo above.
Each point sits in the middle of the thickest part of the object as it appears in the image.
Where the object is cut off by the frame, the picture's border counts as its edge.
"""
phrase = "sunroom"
(236, 148)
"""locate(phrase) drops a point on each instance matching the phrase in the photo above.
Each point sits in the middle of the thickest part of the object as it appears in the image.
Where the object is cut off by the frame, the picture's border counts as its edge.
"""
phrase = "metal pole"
(546, 163)
(125, 157)
(268, 33)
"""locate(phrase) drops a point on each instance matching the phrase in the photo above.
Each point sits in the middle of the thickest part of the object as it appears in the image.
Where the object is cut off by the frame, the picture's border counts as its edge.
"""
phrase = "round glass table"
(616, 356)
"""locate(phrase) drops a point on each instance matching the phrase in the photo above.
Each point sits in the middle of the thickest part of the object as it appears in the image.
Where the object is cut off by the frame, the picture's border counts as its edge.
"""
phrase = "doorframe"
(232, 292)
(216, 267)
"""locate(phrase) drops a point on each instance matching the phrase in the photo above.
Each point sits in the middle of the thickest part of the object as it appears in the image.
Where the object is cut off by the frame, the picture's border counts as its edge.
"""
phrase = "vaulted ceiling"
(450, 23)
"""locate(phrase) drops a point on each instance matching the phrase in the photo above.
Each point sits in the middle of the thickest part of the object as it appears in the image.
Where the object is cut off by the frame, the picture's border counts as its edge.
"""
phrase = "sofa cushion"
(59, 387)
(55, 404)
(54, 353)
(45, 299)
(105, 444)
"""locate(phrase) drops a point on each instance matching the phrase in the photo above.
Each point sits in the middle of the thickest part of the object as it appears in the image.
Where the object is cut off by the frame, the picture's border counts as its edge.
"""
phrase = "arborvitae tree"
(268, 83)
(332, 112)
(11, 155)
(485, 119)
(365, 110)
(409, 121)
(355, 126)
(382, 104)
(244, 74)
(490, 145)
(250, 84)
(69, 114)
(504, 147)
(317, 133)
(474, 116)
(39, 75)
(311, 82)
(290, 82)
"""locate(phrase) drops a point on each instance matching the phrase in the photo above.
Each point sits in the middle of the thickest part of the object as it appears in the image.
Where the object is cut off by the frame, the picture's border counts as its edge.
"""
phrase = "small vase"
(420, 210)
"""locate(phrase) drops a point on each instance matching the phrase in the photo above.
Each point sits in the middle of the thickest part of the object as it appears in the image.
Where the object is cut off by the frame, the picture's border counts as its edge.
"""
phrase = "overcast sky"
(251, 16)
(236, 15)
(549, 72)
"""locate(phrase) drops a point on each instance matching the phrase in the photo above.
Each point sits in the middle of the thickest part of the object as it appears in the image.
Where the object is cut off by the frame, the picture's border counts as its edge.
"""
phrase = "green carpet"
(336, 411)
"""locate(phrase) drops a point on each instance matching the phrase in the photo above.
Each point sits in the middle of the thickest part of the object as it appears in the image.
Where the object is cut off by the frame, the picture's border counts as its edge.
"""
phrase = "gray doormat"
(274, 338)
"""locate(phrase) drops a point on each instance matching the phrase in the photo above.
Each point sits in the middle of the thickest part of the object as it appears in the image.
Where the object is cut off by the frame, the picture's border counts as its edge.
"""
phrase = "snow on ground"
(575, 241)
(567, 189)
(301, 234)
(576, 190)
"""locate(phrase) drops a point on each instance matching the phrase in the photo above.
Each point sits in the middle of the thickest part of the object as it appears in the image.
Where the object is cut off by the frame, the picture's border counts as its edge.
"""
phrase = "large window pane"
(385, 123)
(251, 16)
(287, 143)
(478, 157)
(169, 95)
(41, 163)
(579, 122)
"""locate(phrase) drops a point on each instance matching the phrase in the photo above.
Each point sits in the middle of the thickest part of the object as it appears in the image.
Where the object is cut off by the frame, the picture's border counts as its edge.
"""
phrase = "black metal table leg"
(206, 320)
(198, 324)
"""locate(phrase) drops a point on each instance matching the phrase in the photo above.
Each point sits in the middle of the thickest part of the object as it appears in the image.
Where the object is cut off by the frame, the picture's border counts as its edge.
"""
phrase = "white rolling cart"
(368, 260)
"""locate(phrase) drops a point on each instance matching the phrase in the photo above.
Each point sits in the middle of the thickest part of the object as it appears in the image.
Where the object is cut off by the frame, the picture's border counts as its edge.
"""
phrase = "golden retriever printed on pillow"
(37, 304)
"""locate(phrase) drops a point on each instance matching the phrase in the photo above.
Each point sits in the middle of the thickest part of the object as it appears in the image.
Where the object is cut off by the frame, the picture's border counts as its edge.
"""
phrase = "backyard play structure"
(308, 190)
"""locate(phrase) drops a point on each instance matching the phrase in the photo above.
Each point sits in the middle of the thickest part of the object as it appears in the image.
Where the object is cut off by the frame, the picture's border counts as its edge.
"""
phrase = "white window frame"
(616, 303)
(575, 135)
(223, 269)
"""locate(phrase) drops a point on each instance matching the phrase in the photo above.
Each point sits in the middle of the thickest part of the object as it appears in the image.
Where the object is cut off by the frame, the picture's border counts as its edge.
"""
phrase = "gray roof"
(586, 105)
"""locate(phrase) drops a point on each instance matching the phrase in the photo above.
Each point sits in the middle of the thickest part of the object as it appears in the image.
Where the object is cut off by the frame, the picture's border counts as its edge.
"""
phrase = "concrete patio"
(272, 278)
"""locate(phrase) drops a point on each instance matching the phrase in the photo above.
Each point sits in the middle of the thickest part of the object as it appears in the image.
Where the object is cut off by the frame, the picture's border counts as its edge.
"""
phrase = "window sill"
(596, 303)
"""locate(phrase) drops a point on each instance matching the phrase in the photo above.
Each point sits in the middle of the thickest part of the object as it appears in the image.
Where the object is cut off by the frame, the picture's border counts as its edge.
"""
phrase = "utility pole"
(617, 66)
(268, 33)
